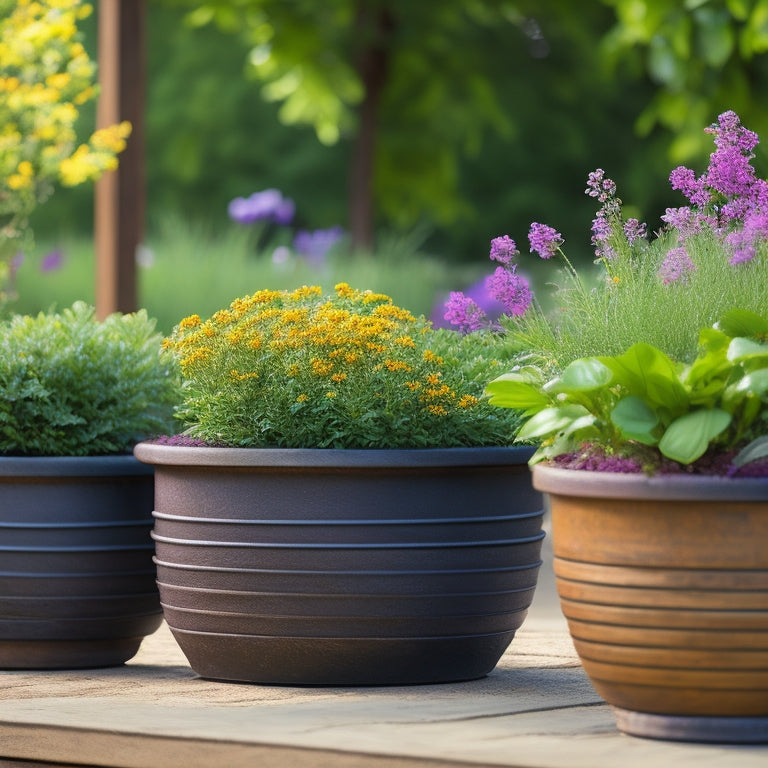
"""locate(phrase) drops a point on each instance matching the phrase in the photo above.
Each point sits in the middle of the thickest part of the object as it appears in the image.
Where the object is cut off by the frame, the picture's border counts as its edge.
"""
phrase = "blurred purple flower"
(463, 312)
(268, 205)
(676, 265)
(314, 245)
(52, 261)
(544, 240)
(510, 289)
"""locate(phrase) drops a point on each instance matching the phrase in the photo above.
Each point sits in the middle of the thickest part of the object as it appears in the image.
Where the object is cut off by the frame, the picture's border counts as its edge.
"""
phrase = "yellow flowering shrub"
(45, 77)
(346, 370)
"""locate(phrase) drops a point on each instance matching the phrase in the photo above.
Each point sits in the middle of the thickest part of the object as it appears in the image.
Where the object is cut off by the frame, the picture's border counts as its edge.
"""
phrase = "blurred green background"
(491, 117)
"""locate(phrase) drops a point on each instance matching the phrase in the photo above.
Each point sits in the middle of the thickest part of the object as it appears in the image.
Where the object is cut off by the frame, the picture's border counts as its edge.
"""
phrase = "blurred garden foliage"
(492, 115)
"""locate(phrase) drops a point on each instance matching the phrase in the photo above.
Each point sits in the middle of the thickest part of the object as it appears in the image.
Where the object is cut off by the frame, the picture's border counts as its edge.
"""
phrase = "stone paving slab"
(535, 710)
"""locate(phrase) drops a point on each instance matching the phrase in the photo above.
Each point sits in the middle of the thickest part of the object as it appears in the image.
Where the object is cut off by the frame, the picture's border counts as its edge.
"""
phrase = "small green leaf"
(585, 375)
(512, 391)
(687, 437)
(757, 449)
(742, 322)
(754, 383)
(648, 373)
(635, 420)
(746, 349)
(551, 421)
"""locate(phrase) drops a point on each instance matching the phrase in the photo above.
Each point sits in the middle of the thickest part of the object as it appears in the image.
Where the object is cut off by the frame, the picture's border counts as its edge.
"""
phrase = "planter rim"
(617, 485)
(73, 466)
(156, 453)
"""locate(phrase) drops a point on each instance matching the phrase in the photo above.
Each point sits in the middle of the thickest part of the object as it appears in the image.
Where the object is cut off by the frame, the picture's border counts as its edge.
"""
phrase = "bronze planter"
(339, 567)
(77, 582)
(664, 583)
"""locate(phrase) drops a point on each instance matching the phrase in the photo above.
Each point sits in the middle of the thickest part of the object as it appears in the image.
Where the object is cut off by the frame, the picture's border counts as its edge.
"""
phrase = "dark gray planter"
(337, 567)
(77, 582)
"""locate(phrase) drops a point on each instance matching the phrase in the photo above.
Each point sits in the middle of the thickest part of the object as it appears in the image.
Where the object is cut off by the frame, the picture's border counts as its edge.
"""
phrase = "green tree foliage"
(703, 57)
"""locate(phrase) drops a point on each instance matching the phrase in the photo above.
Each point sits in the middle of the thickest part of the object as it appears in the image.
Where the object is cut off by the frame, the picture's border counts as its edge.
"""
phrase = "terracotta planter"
(330, 567)
(77, 583)
(664, 583)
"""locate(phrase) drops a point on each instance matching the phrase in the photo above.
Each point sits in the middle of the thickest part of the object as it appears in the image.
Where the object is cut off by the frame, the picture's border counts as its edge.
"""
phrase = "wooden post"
(120, 195)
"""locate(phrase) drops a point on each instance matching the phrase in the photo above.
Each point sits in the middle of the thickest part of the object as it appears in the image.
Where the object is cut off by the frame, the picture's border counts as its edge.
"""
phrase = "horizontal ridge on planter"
(664, 583)
(326, 567)
(77, 580)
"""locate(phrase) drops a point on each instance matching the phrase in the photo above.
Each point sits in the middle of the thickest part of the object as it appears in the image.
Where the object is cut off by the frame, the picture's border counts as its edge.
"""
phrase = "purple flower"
(314, 245)
(634, 230)
(511, 289)
(744, 241)
(503, 249)
(599, 186)
(676, 265)
(730, 173)
(52, 261)
(268, 205)
(544, 240)
(601, 233)
(463, 312)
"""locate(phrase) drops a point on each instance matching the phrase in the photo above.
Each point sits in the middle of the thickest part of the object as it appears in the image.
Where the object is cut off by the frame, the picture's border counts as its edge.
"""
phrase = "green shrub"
(300, 369)
(71, 385)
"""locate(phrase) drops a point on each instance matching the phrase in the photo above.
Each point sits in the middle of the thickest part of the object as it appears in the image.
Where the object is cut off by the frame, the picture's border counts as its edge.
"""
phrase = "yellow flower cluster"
(45, 76)
(308, 348)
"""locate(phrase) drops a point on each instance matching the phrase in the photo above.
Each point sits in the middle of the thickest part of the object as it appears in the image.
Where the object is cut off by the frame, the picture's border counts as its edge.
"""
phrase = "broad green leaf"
(757, 449)
(584, 375)
(746, 349)
(687, 437)
(512, 391)
(754, 383)
(635, 420)
(648, 373)
(550, 421)
(742, 322)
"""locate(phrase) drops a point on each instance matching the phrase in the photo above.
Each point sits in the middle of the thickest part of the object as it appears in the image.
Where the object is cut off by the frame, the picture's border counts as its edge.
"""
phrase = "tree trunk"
(373, 28)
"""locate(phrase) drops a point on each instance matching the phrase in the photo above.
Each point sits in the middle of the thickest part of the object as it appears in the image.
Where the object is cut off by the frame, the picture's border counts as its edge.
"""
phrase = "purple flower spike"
(675, 266)
(461, 311)
(599, 186)
(634, 230)
(503, 249)
(544, 240)
(511, 289)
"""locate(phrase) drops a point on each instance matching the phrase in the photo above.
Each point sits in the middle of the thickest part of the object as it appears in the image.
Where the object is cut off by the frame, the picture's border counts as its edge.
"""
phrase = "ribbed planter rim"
(618, 485)
(71, 466)
(157, 453)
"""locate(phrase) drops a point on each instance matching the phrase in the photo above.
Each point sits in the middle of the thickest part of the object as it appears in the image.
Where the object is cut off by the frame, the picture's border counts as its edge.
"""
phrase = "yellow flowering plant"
(46, 76)
(300, 369)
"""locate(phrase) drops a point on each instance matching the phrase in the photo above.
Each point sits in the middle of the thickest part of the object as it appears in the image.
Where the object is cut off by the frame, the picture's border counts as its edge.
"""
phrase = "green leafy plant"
(708, 258)
(642, 399)
(71, 385)
(300, 369)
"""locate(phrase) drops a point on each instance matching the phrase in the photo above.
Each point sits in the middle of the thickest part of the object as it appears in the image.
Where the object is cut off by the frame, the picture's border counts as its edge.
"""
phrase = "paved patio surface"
(535, 710)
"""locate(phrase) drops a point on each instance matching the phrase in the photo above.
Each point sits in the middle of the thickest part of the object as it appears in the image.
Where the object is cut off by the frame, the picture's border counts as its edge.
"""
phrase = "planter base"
(68, 654)
(713, 730)
(343, 661)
